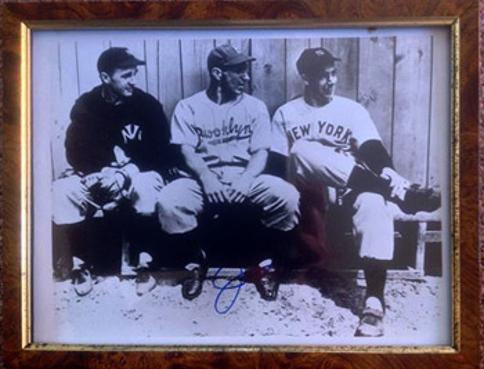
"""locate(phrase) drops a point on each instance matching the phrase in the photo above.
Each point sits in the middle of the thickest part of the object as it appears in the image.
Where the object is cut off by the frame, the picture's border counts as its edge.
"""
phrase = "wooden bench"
(424, 236)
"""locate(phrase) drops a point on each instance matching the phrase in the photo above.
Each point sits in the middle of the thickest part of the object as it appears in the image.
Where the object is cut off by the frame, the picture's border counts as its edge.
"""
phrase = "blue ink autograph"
(235, 283)
(228, 285)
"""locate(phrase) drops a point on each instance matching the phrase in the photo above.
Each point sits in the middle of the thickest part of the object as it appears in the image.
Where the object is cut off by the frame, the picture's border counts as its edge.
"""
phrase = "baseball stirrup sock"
(363, 180)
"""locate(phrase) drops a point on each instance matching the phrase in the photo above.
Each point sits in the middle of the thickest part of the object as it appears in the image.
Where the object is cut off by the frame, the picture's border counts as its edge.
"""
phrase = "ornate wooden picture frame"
(21, 20)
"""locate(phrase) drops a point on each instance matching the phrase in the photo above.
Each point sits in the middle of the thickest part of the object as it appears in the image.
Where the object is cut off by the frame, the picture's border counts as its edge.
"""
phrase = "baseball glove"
(106, 187)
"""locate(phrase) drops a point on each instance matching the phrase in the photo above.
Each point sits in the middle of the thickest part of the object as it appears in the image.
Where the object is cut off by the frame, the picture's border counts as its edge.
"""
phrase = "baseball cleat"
(145, 282)
(266, 282)
(371, 320)
(193, 284)
(419, 199)
(82, 281)
(268, 286)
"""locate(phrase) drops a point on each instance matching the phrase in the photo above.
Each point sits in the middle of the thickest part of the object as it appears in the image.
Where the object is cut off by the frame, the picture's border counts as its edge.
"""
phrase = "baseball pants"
(67, 209)
(181, 202)
(373, 229)
(96, 239)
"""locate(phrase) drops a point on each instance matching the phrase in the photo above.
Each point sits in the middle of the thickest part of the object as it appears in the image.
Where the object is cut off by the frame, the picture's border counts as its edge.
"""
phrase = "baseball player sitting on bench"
(225, 136)
(332, 140)
(117, 145)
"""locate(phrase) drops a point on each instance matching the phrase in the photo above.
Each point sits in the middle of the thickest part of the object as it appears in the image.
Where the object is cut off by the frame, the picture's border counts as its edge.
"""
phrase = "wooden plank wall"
(390, 76)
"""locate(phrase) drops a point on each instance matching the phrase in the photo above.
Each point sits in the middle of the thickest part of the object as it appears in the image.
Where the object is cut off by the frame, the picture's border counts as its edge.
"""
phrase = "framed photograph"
(184, 190)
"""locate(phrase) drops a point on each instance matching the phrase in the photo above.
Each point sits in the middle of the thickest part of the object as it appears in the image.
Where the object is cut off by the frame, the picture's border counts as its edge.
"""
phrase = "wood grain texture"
(369, 68)
(294, 83)
(376, 83)
(194, 62)
(332, 10)
(412, 104)
(265, 70)
(170, 83)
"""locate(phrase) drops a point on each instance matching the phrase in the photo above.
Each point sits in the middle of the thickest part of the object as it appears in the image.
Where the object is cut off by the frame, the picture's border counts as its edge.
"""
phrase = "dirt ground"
(317, 307)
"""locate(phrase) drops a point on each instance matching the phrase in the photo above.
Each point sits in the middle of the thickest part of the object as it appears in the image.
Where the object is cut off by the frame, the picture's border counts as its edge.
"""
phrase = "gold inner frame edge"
(26, 178)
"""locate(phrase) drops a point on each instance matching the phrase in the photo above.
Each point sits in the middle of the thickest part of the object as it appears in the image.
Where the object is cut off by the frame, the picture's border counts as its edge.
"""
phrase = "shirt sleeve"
(364, 128)
(182, 131)
(280, 142)
(153, 152)
(87, 151)
(261, 130)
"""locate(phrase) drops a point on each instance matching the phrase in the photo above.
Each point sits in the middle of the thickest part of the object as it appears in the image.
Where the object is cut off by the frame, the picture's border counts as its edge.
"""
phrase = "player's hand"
(213, 188)
(111, 181)
(81, 197)
(398, 184)
(240, 188)
(91, 180)
(106, 187)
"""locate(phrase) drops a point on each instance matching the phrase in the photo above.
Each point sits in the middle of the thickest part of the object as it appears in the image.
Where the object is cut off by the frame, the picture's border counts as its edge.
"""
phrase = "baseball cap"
(116, 57)
(314, 60)
(225, 55)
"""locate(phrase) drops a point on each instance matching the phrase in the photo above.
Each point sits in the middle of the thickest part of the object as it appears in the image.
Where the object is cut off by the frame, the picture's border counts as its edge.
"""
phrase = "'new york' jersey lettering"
(329, 131)
(342, 123)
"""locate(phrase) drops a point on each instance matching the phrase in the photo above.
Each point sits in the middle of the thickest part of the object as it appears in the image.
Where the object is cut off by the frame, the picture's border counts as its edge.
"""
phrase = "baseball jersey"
(341, 123)
(137, 126)
(223, 134)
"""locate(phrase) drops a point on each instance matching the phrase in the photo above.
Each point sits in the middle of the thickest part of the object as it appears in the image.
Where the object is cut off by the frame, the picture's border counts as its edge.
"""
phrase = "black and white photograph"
(242, 187)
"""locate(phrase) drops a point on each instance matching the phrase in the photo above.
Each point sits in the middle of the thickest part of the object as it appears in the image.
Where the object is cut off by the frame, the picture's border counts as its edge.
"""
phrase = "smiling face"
(234, 79)
(121, 81)
(322, 86)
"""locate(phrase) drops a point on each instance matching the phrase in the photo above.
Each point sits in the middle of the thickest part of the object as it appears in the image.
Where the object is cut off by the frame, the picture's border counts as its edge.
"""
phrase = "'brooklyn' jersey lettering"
(228, 132)
(225, 134)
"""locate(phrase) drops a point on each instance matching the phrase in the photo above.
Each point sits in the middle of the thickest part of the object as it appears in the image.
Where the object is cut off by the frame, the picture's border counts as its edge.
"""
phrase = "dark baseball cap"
(117, 57)
(314, 60)
(225, 55)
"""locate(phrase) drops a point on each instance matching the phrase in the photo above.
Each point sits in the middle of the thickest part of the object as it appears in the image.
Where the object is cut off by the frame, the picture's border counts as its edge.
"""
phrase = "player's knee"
(66, 209)
(372, 207)
(285, 194)
(166, 206)
(178, 208)
(369, 200)
(291, 208)
(145, 189)
(173, 219)
(144, 180)
(292, 198)
(64, 186)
